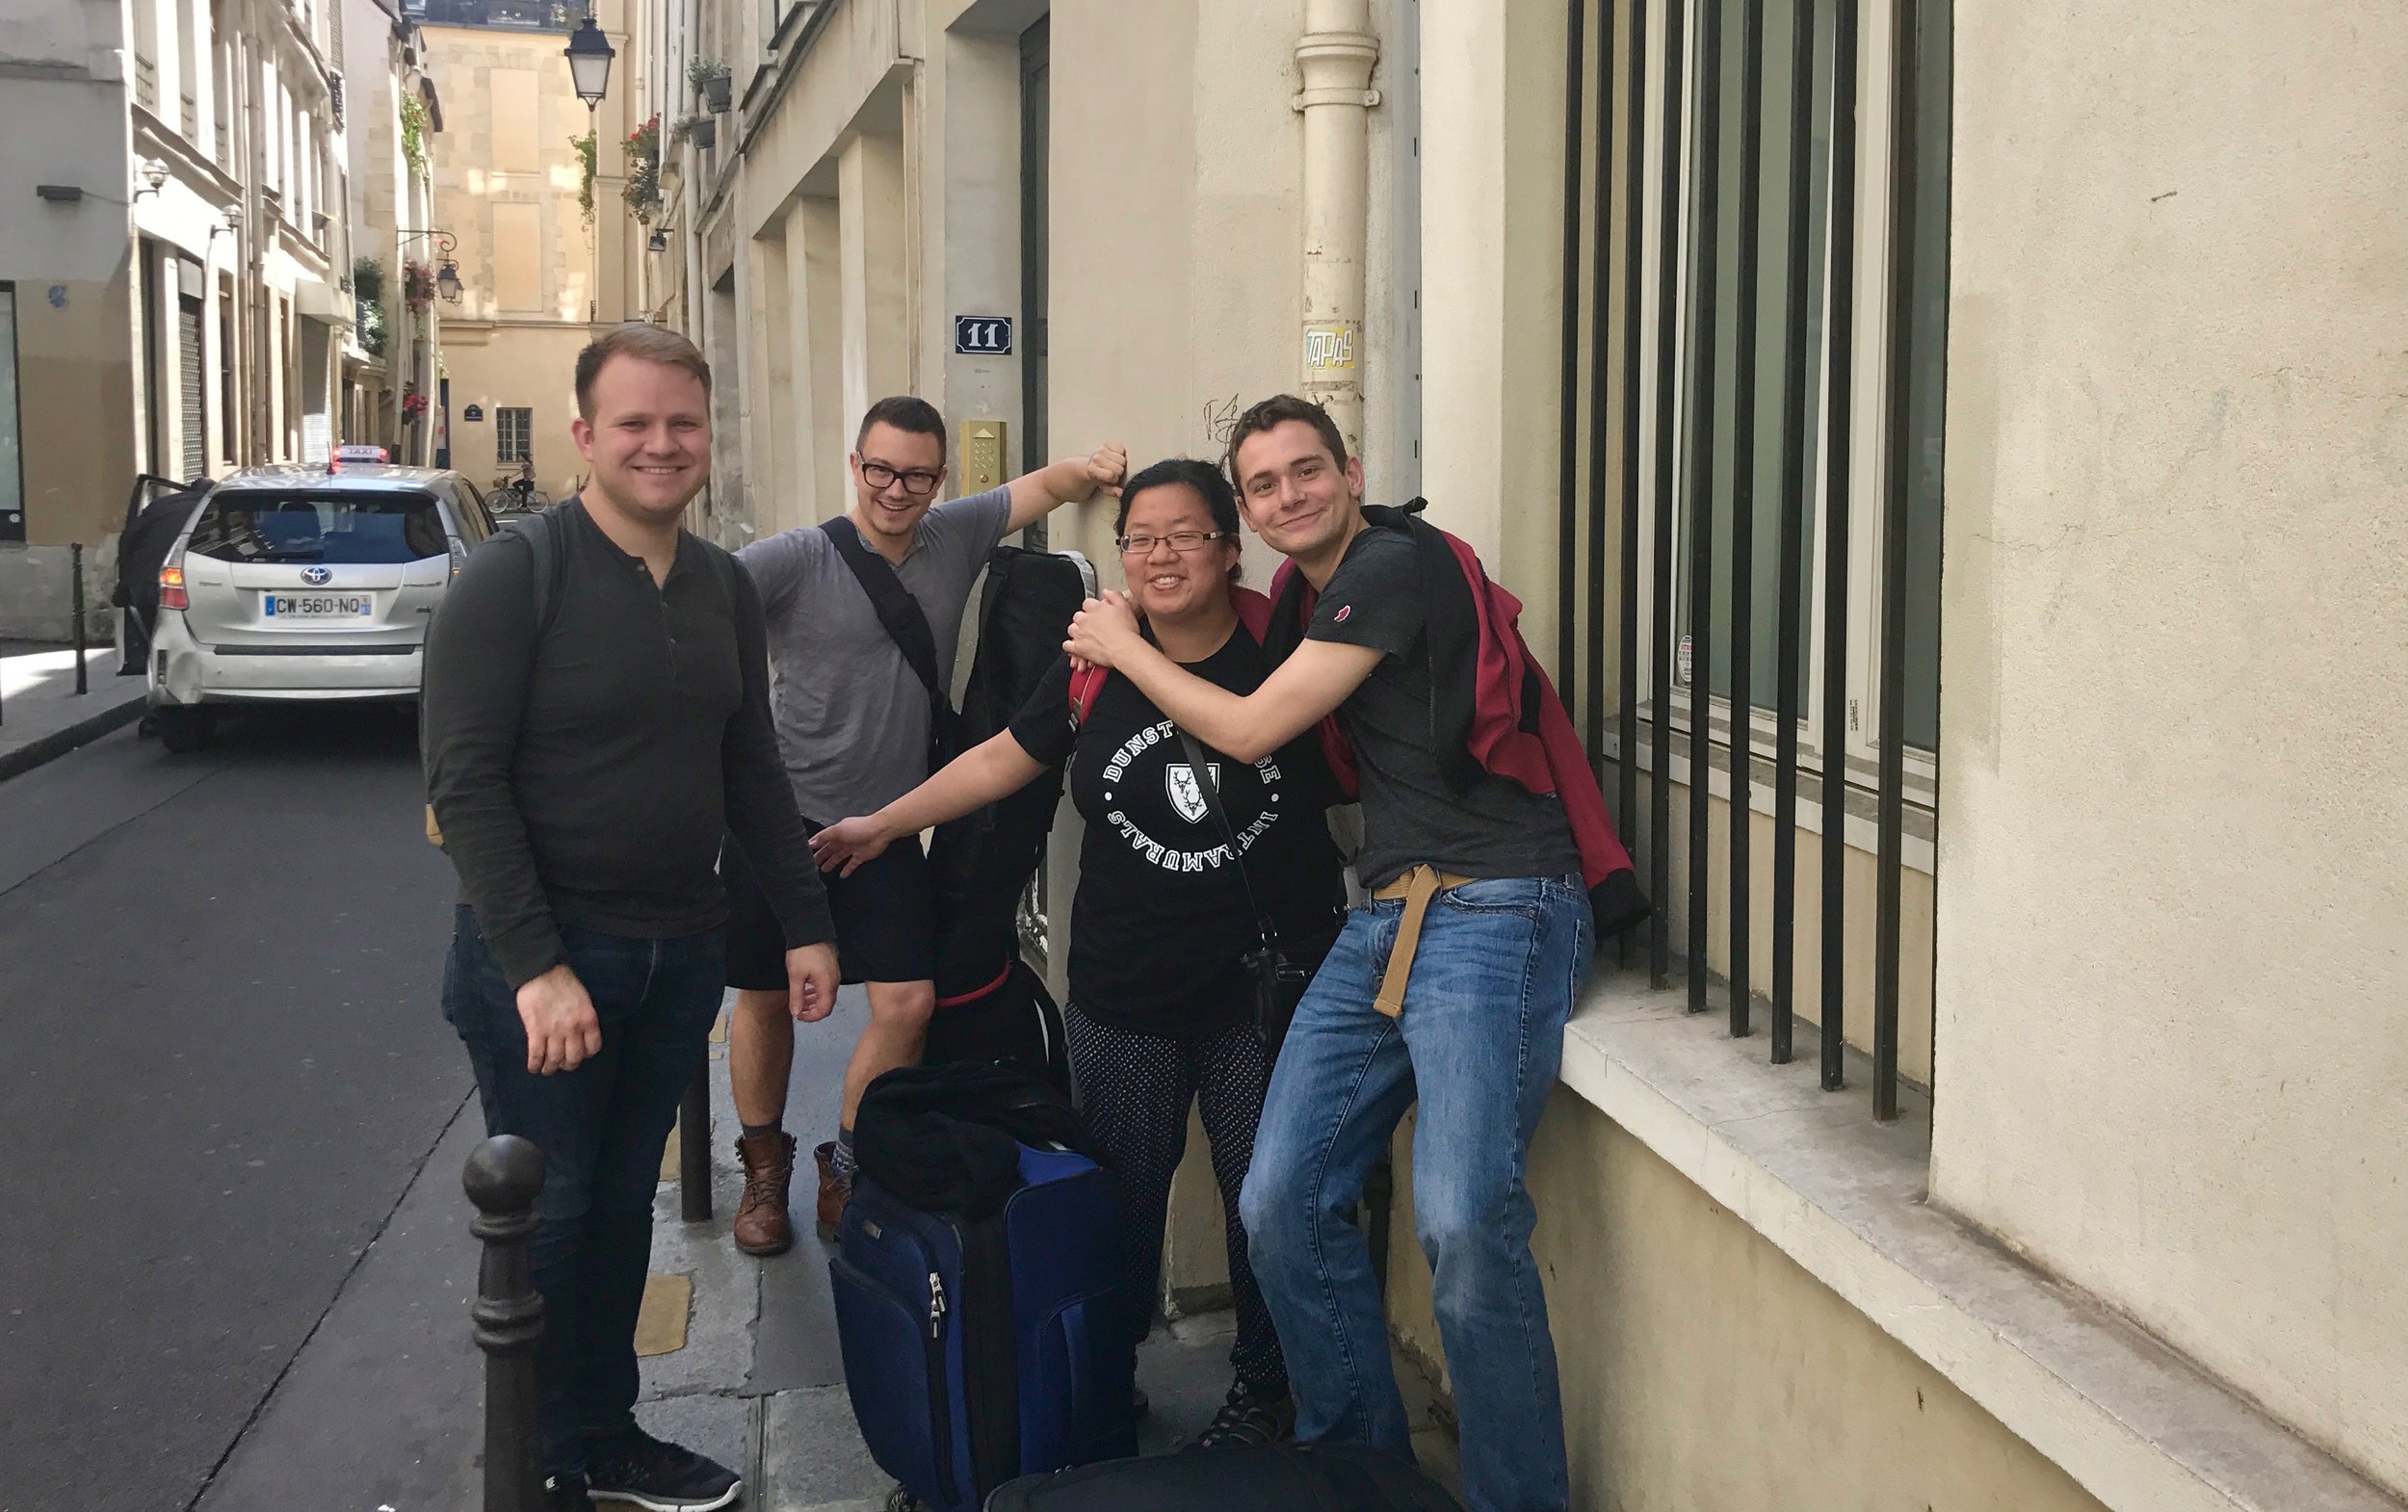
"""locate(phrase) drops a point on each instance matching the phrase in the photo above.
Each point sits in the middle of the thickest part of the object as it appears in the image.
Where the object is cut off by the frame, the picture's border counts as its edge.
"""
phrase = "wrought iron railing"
(1640, 116)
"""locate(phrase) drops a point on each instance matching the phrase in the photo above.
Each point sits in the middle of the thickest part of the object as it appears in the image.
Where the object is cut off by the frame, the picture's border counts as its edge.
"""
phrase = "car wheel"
(184, 730)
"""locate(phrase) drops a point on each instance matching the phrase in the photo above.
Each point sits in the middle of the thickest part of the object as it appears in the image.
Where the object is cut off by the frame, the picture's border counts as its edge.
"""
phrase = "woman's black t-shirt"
(1160, 919)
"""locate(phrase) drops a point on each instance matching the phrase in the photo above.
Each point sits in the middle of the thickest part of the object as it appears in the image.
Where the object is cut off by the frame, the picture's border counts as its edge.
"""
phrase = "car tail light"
(172, 588)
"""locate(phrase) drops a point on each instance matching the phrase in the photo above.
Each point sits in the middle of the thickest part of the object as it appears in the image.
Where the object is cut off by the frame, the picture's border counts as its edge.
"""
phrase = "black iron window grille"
(1753, 364)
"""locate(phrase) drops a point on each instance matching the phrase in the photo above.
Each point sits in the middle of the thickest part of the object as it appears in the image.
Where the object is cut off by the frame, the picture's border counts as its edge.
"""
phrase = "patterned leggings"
(1134, 1089)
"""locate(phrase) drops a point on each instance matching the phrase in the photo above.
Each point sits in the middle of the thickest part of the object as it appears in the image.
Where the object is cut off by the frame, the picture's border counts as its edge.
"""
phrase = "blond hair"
(644, 342)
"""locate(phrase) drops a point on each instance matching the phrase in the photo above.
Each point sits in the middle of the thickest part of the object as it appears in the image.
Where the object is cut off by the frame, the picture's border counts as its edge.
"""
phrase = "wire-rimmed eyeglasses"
(1183, 542)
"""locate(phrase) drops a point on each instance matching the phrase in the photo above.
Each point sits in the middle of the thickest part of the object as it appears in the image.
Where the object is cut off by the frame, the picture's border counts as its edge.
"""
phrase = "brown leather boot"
(762, 1225)
(834, 1190)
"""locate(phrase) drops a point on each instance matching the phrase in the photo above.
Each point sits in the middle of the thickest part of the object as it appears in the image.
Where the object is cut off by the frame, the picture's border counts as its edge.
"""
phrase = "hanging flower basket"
(417, 286)
(642, 190)
(700, 130)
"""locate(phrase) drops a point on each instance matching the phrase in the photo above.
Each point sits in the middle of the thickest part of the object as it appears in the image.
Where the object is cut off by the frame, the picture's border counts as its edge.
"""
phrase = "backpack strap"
(548, 583)
(905, 623)
(1087, 684)
(550, 577)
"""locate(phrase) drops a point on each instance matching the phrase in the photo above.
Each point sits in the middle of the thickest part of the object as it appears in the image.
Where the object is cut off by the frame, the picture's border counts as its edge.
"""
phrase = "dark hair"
(1184, 472)
(1278, 410)
(644, 342)
(905, 412)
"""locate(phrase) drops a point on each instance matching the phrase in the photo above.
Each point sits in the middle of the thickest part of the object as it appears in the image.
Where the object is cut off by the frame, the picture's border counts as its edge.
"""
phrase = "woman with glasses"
(1160, 1008)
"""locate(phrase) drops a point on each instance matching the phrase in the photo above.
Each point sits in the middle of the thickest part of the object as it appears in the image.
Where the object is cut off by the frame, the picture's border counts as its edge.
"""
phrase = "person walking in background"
(864, 615)
(1160, 1008)
(596, 717)
(1484, 834)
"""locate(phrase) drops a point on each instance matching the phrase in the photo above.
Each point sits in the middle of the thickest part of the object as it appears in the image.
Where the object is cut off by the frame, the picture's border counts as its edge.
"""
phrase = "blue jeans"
(602, 1128)
(1480, 1039)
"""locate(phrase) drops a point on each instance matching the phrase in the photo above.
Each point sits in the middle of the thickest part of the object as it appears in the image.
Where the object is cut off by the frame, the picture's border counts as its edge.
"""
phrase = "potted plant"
(417, 286)
(700, 130)
(709, 79)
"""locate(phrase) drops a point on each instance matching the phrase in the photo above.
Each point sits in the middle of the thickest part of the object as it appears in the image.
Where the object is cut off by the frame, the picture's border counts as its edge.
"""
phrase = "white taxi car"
(305, 583)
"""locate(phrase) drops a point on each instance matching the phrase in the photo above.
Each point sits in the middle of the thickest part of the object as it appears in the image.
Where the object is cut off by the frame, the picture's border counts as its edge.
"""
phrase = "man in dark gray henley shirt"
(584, 761)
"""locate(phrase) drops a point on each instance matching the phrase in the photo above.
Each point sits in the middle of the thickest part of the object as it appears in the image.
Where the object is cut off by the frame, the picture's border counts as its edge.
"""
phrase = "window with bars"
(1757, 194)
(514, 435)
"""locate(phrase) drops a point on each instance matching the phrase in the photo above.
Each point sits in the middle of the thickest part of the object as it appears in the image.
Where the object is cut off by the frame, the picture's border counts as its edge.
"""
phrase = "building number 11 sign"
(982, 335)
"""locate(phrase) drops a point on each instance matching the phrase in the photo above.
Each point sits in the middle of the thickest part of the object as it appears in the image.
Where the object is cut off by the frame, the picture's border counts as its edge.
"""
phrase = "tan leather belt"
(1417, 887)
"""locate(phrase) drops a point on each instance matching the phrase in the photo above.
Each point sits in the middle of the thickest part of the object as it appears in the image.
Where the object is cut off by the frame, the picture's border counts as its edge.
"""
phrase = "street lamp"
(447, 282)
(590, 54)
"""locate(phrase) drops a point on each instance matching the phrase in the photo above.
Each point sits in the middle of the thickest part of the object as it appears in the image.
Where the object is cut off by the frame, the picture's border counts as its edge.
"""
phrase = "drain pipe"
(1335, 55)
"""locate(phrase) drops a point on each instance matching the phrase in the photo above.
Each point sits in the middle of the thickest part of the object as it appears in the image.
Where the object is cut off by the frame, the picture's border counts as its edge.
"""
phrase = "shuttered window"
(193, 390)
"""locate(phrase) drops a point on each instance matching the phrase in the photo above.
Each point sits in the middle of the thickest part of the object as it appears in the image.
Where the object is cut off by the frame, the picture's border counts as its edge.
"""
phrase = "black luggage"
(1276, 1477)
(988, 1005)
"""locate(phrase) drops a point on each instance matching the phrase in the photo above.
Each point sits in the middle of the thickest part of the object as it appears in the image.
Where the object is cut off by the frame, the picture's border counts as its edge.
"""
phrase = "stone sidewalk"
(382, 1409)
(42, 717)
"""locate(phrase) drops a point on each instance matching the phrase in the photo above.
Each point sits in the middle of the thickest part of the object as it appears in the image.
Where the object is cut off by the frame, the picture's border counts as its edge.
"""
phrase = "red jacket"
(1492, 708)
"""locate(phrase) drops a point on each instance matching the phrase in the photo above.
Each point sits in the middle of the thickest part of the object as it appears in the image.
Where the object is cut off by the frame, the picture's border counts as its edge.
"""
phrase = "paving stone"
(718, 1423)
(812, 1457)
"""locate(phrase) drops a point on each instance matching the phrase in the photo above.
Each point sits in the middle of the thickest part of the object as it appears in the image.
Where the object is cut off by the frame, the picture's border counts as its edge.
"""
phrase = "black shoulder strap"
(1209, 787)
(897, 609)
(551, 562)
(1453, 622)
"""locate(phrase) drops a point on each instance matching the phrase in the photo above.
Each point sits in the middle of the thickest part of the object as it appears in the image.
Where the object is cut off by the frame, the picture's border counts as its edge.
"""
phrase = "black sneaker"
(1247, 1418)
(634, 1467)
(566, 1494)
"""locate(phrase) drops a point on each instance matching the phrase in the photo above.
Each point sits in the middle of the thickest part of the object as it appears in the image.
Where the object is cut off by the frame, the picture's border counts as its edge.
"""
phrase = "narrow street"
(224, 1066)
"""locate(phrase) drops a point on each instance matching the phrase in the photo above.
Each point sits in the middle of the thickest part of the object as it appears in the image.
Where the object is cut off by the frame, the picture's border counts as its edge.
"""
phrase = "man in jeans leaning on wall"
(596, 718)
(1453, 983)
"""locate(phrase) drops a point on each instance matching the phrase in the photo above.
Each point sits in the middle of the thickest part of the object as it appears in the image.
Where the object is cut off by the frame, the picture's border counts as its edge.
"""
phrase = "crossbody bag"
(1276, 975)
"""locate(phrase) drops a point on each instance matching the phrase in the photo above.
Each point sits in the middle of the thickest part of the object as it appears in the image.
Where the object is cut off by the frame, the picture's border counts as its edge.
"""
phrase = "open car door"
(156, 513)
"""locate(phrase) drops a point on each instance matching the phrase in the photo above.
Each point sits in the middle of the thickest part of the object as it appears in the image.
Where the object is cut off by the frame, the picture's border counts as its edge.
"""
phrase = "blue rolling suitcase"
(979, 1351)
(1266, 1478)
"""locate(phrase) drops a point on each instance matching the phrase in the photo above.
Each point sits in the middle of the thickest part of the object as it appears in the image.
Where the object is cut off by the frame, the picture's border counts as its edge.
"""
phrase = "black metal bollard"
(503, 1178)
(75, 594)
(693, 1149)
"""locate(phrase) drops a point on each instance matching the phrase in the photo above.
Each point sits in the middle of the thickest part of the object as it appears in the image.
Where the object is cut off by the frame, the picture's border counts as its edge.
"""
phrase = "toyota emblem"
(316, 577)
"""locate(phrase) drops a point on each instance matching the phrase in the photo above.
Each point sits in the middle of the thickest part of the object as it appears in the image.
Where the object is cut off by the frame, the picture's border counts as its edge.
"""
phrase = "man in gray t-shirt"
(852, 729)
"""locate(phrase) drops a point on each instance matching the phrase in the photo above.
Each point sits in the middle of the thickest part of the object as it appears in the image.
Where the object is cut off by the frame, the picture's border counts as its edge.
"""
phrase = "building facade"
(535, 204)
(396, 121)
(175, 278)
(1951, 457)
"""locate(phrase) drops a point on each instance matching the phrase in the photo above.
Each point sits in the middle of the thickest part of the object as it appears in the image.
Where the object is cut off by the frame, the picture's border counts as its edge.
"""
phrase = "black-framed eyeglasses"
(1183, 542)
(919, 482)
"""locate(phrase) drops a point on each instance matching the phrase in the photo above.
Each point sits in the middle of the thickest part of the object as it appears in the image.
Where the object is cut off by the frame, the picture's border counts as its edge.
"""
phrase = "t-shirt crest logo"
(1340, 617)
(1186, 796)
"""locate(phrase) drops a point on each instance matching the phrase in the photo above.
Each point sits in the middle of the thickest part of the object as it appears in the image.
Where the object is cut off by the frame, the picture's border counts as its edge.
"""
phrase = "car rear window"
(336, 529)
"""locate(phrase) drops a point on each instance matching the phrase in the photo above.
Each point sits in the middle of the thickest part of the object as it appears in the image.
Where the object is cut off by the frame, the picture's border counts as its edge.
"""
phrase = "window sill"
(2139, 1426)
